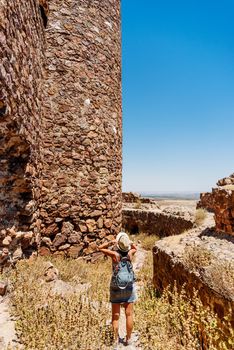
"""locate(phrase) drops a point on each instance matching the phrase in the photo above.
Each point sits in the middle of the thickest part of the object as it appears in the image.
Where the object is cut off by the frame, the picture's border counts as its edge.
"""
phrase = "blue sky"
(178, 87)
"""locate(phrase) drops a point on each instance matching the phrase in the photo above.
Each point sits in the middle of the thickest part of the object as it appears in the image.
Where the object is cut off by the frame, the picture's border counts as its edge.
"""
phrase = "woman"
(123, 250)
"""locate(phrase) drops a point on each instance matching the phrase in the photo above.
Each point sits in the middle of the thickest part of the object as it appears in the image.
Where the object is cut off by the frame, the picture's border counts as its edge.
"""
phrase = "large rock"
(201, 260)
(51, 273)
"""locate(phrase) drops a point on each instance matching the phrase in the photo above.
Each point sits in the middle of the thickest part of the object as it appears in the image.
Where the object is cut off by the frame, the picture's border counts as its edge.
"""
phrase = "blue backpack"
(123, 274)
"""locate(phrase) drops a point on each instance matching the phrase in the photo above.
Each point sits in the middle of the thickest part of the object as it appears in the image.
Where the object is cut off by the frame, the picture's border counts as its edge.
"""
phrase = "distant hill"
(172, 195)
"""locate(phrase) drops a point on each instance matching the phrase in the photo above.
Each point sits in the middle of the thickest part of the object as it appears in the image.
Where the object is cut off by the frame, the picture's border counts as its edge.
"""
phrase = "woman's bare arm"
(132, 251)
(104, 249)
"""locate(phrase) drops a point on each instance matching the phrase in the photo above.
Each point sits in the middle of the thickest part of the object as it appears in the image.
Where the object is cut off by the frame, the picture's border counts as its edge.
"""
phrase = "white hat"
(123, 242)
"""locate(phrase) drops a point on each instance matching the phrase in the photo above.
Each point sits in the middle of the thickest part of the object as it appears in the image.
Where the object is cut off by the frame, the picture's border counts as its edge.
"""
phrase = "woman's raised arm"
(104, 249)
(132, 250)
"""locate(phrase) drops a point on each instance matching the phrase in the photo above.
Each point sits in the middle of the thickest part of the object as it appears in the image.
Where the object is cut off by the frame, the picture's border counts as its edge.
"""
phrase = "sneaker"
(133, 340)
(128, 342)
(121, 340)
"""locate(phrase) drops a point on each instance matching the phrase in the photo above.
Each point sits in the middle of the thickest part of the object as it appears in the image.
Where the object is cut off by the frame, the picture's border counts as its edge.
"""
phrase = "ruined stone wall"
(130, 197)
(224, 210)
(21, 71)
(206, 201)
(167, 272)
(221, 202)
(82, 127)
(154, 222)
(135, 198)
(199, 261)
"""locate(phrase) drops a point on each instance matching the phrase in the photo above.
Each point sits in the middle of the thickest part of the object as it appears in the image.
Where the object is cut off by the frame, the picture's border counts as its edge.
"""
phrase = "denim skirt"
(120, 296)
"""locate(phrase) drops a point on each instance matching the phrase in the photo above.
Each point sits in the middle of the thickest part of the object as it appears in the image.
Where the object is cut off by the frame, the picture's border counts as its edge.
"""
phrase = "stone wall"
(154, 222)
(82, 127)
(226, 181)
(200, 261)
(135, 198)
(60, 124)
(224, 210)
(221, 202)
(21, 76)
(206, 201)
(130, 197)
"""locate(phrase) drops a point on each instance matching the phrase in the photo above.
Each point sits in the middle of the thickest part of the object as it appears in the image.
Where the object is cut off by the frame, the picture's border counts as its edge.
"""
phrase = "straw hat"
(123, 242)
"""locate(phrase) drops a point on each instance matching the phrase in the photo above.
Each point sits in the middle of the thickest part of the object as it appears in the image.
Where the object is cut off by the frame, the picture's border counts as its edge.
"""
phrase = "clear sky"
(178, 94)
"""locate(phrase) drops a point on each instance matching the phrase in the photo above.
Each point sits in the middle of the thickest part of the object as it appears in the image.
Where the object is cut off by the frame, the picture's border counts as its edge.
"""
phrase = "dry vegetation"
(81, 321)
(200, 216)
(228, 187)
(197, 257)
(138, 204)
(219, 272)
(174, 321)
(147, 241)
(46, 321)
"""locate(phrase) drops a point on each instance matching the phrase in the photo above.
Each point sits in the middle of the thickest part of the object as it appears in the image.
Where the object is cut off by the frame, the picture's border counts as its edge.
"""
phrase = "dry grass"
(49, 322)
(197, 257)
(147, 241)
(53, 322)
(200, 216)
(220, 272)
(228, 187)
(138, 204)
(222, 275)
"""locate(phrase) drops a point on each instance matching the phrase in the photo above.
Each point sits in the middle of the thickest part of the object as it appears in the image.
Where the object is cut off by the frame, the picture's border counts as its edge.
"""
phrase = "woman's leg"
(129, 319)
(115, 320)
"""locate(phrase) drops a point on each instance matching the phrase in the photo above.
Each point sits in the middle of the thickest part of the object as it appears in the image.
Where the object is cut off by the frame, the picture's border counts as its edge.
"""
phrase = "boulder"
(51, 273)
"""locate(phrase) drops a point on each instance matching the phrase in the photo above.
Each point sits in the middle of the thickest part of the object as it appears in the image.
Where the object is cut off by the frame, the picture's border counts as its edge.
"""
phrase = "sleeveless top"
(122, 255)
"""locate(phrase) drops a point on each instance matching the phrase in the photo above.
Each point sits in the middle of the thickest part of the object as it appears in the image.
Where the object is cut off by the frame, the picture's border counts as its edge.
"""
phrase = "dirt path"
(7, 326)
(137, 265)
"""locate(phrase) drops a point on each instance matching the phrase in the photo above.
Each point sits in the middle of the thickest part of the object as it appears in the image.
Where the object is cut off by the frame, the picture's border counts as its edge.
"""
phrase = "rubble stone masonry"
(154, 222)
(60, 123)
(21, 72)
(206, 201)
(224, 210)
(221, 202)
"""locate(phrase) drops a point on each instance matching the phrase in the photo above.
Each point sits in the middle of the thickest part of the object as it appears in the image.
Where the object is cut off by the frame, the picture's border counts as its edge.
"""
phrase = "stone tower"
(82, 128)
(21, 84)
(72, 171)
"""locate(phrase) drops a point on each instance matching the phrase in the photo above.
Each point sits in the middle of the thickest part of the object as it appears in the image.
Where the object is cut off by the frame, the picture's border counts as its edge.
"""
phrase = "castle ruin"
(221, 202)
(60, 125)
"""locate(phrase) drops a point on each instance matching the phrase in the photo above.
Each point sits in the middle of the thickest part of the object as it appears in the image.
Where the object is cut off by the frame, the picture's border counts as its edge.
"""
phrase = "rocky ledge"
(202, 259)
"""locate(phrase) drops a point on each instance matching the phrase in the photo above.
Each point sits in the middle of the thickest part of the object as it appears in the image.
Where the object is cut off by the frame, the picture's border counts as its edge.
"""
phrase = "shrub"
(138, 204)
(200, 216)
(197, 257)
(46, 321)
